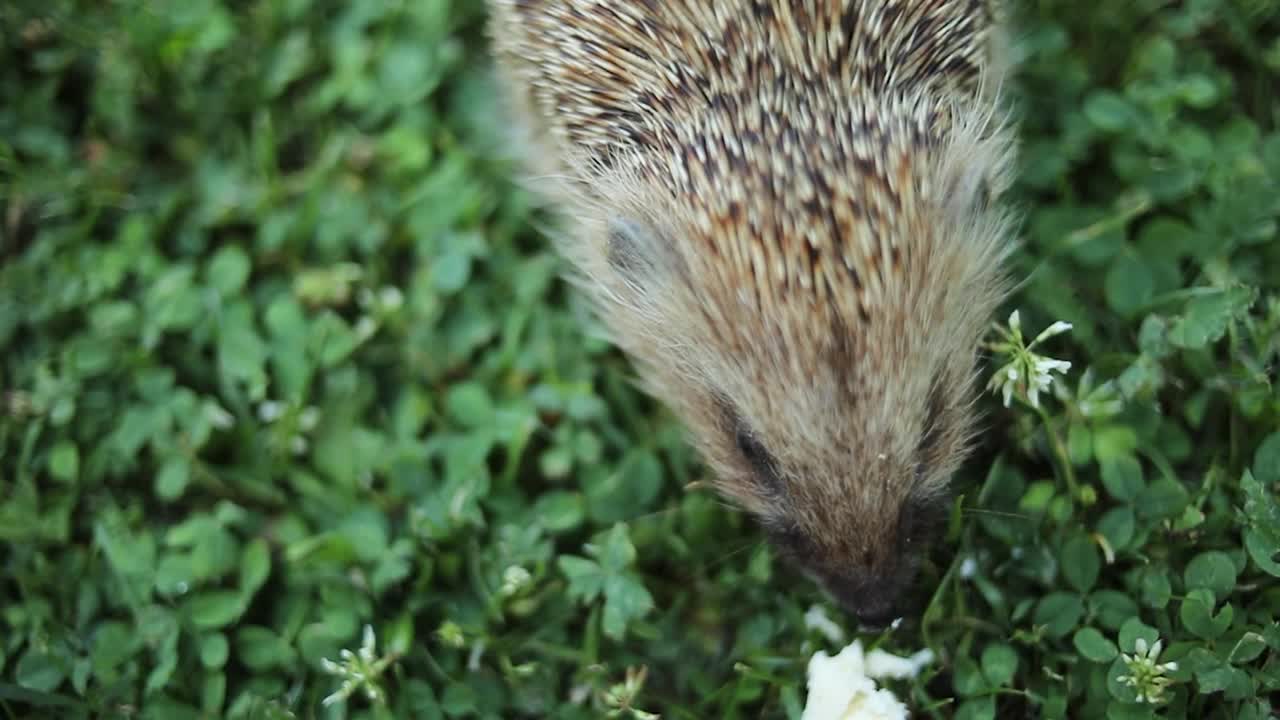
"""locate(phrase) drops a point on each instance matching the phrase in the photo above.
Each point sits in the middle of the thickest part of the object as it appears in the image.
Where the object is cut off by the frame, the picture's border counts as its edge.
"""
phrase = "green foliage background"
(285, 354)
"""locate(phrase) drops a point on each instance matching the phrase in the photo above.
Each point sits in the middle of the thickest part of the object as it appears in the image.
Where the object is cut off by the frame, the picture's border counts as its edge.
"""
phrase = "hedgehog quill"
(786, 214)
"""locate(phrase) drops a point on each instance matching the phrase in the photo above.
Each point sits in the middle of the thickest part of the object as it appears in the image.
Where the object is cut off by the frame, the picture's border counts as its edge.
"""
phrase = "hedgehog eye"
(754, 452)
(626, 250)
(762, 462)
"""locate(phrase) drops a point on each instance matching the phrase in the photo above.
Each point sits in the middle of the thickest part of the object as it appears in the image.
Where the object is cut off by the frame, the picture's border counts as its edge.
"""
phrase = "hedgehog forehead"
(849, 505)
(849, 477)
(825, 403)
(828, 425)
(824, 479)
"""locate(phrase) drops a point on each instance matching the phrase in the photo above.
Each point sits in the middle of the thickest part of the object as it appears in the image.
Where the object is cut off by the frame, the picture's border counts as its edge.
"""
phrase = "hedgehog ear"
(972, 190)
(634, 250)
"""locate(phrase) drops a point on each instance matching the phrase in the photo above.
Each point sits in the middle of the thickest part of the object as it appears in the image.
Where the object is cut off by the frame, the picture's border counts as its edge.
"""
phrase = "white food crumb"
(816, 619)
(881, 664)
(843, 687)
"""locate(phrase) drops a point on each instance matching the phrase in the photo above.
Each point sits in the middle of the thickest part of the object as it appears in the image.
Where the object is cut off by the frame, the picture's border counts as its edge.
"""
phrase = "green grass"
(284, 355)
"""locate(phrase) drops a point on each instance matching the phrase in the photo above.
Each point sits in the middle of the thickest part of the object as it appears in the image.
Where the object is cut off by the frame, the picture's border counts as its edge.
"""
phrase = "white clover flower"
(1042, 376)
(1026, 373)
(359, 671)
(1055, 329)
(844, 688)
(514, 579)
(621, 697)
(1146, 675)
(370, 643)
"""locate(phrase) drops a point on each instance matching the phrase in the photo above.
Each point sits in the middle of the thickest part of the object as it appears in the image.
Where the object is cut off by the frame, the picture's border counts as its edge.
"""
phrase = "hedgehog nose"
(876, 617)
(876, 602)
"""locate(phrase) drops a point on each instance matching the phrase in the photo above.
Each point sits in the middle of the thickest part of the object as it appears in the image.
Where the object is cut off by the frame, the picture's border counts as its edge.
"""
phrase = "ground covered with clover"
(297, 418)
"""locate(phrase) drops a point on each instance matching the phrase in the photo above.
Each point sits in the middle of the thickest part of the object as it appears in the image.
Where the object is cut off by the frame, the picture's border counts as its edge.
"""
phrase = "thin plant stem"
(1063, 459)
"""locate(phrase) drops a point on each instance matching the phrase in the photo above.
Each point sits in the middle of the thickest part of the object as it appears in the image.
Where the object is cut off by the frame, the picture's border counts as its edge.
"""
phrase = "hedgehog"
(785, 213)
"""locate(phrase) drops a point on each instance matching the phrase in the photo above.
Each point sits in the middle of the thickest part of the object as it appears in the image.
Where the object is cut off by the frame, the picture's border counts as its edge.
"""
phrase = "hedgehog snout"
(870, 589)
(873, 584)
(874, 596)
(870, 578)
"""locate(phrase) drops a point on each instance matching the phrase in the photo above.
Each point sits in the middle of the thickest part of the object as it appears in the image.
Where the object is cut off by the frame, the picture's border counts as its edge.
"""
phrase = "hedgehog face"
(869, 582)
(818, 336)
(839, 427)
(837, 419)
